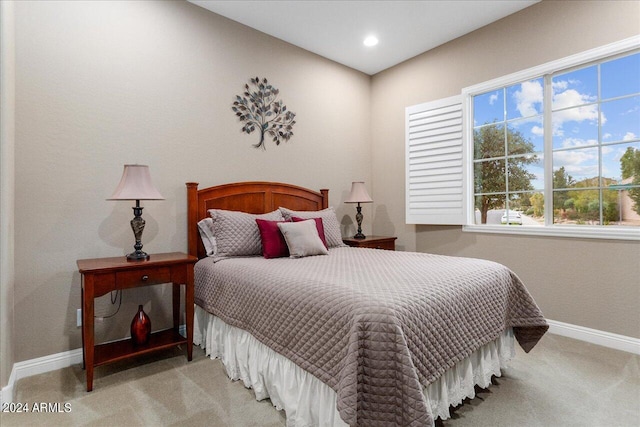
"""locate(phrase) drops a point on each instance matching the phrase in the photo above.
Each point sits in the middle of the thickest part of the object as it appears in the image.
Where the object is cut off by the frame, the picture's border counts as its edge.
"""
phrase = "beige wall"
(7, 191)
(101, 84)
(591, 283)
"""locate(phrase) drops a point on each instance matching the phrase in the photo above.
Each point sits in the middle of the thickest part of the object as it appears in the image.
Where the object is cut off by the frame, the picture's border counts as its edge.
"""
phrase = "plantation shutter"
(435, 163)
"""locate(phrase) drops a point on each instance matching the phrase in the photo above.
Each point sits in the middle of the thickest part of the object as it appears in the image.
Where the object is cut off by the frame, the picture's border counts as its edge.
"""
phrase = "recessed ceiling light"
(371, 41)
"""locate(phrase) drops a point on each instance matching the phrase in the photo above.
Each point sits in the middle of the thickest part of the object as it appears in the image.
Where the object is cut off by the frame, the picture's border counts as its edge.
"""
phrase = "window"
(508, 153)
(556, 149)
(595, 126)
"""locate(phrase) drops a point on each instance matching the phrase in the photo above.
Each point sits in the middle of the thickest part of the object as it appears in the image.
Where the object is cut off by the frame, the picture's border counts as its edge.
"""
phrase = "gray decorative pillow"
(237, 233)
(302, 238)
(329, 221)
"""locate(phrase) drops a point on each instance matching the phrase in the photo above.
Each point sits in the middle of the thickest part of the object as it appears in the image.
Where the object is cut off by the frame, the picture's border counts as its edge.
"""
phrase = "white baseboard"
(594, 336)
(39, 365)
(57, 361)
(7, 391)
(44, 364)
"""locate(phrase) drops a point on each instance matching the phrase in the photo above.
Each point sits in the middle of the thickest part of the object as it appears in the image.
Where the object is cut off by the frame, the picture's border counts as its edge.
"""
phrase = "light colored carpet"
(562, 382)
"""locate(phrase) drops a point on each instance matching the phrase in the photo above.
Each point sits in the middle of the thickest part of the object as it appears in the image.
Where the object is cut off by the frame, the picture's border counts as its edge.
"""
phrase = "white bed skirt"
(308, 401)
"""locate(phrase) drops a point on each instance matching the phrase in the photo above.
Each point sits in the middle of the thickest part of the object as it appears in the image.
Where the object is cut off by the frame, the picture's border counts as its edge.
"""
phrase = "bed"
(355, 336)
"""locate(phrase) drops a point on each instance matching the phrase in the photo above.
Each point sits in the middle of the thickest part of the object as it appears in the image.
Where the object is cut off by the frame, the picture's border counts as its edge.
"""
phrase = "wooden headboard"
(252, 197)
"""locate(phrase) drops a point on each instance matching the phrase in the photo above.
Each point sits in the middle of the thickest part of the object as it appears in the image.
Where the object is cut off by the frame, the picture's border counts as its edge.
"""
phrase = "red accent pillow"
(319, 226)
(273, 243)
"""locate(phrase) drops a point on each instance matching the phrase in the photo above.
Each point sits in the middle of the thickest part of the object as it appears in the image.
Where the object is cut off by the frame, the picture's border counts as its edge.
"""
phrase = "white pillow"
(332, 233)
(302, 238)
(205, 227)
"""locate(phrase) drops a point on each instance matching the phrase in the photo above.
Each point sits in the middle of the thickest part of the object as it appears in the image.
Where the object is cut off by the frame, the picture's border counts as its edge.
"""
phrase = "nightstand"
(375, 242)
(103, 275)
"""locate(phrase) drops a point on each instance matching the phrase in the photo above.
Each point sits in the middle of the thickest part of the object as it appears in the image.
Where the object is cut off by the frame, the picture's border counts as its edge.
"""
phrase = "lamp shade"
(136, 184)
(358, 194)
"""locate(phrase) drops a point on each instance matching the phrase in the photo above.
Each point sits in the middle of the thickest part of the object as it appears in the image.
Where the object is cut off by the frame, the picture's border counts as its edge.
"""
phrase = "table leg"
(87, 328)
(189, 301)
(84, 363)
(176, 306)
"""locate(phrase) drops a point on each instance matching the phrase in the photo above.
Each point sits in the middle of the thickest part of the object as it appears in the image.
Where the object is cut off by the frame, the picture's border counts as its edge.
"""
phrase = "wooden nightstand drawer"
(373, 242)
(143, 276)
(104, 283)
(388, 245)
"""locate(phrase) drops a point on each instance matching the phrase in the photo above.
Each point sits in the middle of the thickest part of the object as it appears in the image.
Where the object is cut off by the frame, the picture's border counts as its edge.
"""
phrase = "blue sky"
(574, 116)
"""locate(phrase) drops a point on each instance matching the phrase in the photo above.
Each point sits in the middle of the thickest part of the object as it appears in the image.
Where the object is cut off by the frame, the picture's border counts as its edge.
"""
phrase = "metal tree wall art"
(261, 109)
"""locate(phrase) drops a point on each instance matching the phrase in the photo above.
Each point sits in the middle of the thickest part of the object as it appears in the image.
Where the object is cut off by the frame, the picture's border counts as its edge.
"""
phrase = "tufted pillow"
(302, 238)
(205, 227)
(273, 243)
(237, 233)
(329, 221)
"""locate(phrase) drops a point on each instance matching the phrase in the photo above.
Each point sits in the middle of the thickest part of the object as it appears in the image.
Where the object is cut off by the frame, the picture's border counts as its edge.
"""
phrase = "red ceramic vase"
(140, 327)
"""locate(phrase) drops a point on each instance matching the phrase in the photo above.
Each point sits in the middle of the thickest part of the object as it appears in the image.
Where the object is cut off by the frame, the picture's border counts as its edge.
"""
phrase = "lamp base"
(359, 216)
(137, 225)
(138, 256)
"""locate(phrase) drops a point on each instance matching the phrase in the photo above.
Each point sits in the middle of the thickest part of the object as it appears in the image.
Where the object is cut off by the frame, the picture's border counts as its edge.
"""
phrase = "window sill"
(579, 232)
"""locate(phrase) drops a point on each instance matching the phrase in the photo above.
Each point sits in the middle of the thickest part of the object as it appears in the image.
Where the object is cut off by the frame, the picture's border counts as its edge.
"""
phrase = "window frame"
(546, 71)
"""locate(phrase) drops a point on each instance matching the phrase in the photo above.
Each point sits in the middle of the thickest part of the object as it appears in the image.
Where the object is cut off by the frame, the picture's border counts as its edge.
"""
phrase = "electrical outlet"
(79, 317)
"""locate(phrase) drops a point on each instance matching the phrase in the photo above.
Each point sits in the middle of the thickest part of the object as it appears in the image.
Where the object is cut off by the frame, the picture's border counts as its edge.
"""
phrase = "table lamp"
(135, 184)
(358, 195)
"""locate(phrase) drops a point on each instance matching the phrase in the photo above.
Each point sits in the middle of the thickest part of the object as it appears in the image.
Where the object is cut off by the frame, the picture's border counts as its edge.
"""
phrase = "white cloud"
(607, 136)
(606, 149)
(581, 172)
(560, 84)
(571, 98)
(578, 163)
(577, 142)
(629, 136)
(537, 130)
(574, 157)
(493, 98)
(530, 94)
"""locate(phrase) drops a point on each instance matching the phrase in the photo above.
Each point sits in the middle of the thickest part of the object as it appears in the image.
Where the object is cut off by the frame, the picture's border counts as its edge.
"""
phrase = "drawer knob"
(145, 278)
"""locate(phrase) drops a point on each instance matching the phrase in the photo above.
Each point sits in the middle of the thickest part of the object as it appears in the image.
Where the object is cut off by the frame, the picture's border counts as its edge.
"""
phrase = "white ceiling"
(336, 29)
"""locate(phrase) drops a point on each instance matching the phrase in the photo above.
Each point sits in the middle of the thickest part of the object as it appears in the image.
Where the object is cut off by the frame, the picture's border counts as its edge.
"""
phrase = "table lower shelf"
(124, 349)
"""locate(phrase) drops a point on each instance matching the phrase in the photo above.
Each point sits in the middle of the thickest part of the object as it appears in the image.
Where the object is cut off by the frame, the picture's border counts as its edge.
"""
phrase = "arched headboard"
(251, 197)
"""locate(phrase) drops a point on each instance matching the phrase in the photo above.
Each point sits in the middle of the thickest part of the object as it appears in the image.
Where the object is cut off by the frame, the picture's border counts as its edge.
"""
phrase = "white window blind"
(435, 192)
